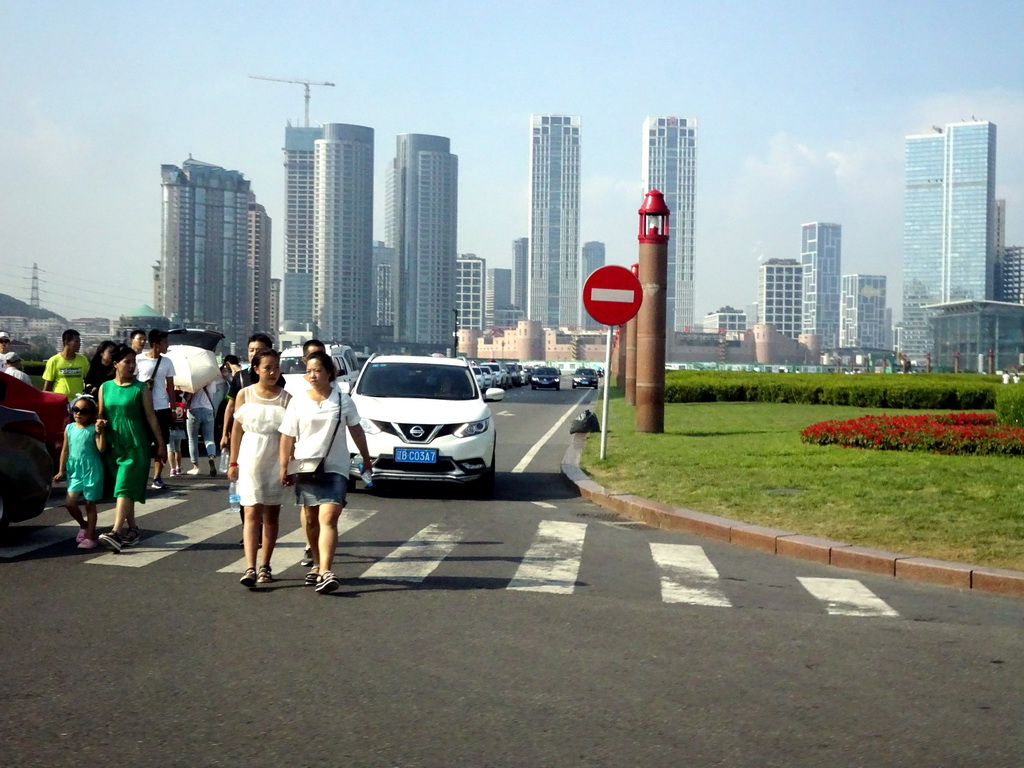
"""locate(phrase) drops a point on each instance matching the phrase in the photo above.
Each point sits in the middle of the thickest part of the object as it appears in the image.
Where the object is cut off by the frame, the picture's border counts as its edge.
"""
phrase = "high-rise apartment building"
(422, 227)
(275, 306)
(593, 258)
(821, 254)
(469, 290)
(670, 166)
(259, 267)
(343, 233)
(497, 294)
(864, 320)
(949, 234)
(779, 302)
(204, 249)
(385, 271)
(520, 272)
(555, 294)
(297, 301)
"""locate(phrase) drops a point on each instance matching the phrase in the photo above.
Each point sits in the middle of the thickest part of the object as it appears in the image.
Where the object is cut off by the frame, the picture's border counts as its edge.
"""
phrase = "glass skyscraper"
(422, 223)
(556, 291)
(299, 144)
(821, 255)
(670, 166)
(949, 224)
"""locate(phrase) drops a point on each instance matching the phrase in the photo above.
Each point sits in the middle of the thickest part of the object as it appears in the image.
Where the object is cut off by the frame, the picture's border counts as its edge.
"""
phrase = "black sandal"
(312, 577)
(264, 576)
(248, 578)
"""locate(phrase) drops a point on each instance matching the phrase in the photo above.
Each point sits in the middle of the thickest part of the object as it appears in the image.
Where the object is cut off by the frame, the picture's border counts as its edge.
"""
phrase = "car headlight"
(369, 426)
(471, 428)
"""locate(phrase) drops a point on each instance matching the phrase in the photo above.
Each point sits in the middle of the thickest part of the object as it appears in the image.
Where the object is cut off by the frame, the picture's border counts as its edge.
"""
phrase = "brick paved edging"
(778, 542)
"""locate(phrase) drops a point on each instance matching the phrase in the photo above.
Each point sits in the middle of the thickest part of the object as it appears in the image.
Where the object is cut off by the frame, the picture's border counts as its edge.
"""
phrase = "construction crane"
(305, 83)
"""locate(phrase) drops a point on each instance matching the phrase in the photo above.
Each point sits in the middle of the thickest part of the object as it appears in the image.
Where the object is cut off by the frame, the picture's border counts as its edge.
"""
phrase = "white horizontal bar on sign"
(612, 294)
(846, 597)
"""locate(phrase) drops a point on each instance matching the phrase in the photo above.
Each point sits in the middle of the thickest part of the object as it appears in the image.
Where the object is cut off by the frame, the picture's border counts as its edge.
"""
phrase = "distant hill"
(12, 307)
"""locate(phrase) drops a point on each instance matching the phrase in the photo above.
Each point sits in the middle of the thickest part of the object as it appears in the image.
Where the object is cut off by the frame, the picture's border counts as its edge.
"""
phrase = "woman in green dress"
(126, 408)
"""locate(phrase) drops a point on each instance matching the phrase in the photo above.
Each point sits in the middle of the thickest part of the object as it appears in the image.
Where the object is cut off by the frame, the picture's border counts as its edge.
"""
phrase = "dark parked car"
(584, 377)
(31, 435)
(546, 378)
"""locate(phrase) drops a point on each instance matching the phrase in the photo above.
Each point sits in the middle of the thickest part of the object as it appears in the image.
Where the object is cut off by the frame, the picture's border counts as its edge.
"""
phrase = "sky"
(802, 111)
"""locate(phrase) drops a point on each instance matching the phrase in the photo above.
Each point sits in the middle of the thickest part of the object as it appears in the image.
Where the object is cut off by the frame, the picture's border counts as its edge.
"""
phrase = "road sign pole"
(604, 405)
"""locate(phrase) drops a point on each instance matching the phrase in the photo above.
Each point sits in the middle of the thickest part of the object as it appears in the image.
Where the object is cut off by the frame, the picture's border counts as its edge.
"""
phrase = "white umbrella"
(194, 367)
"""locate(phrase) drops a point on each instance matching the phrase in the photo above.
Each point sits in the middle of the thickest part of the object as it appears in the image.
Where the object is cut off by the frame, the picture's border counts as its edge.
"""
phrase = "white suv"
(425, 418)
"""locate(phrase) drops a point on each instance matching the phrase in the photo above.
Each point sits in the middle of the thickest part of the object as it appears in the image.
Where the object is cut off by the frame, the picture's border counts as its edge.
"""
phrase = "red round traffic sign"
(612, 295)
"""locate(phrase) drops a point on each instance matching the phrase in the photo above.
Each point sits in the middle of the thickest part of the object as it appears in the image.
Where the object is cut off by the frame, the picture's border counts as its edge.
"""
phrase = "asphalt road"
(531, 630)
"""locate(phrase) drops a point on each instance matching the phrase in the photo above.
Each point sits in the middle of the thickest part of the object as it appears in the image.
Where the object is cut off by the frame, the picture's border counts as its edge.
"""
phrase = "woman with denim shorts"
(311, 431)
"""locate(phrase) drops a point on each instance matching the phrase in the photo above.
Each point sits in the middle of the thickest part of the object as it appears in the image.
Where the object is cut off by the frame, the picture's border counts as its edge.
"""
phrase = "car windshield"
(585, 372)
(415, 380)
(293, 365)
(545, 372)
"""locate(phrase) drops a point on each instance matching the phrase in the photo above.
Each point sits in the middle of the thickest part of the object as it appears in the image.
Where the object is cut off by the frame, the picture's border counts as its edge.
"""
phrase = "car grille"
(417, 433)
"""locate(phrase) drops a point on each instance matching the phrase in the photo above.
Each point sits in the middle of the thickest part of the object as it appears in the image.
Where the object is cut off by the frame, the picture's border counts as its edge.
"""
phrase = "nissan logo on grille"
(417, 431)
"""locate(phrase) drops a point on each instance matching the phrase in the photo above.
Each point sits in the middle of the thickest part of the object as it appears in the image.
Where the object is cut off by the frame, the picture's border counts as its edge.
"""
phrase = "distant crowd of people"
(128, 422)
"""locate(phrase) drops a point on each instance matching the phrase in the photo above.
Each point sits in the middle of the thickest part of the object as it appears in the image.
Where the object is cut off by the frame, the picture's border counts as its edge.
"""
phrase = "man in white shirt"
(5, 347)
(12, 361)
(153, 366)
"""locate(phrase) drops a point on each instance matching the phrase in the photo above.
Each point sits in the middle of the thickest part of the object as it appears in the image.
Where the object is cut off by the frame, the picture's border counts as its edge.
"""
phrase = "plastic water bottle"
(367, 475)
(225, 459)
(234, 500)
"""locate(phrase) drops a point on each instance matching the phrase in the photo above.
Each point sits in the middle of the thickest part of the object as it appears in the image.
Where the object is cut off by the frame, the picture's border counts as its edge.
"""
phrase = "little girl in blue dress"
(81, 461)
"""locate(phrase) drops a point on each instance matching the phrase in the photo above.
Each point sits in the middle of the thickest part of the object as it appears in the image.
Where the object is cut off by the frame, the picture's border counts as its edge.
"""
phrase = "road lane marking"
(544, 504)
(289, 548)
(418, 557)
(66, 531)
(687, 575)
(153, 548)
(525, 461)
(847, 597)
(553, 559)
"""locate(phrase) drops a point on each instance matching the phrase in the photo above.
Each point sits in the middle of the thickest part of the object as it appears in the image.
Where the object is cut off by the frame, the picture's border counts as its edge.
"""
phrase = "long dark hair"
(122, 351)
(97, 359)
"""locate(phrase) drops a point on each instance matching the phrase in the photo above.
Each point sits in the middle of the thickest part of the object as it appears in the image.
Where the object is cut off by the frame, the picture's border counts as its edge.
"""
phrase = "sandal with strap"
(328, 583)
(264, 576)
(312, 577)
(248, 578)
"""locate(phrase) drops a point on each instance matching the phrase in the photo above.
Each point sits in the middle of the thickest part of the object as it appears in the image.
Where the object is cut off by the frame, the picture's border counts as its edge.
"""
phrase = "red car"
(31, 437)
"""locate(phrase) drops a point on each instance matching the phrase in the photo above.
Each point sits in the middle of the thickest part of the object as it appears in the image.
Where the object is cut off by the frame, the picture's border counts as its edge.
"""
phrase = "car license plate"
(416, 455)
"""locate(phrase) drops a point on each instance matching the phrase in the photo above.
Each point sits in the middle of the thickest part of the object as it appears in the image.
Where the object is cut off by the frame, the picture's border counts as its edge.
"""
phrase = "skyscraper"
(384, 272)
(343, 233)
(497, 294)
(780, 284)
(422, 226)
(259, 267)
(204, 249)
(949, 234)
(297, 301)
(864, 318)
(555, 294)
(670, 166)
(520, 272)
(469, 290)
(593, 258)
(821, 255)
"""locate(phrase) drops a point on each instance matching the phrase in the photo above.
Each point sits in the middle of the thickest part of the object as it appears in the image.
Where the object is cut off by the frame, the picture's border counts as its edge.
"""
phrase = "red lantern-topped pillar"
(650, 320)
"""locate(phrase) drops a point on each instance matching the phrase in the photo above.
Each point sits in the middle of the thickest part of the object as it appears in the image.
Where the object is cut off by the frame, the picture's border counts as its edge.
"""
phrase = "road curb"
(785, 543)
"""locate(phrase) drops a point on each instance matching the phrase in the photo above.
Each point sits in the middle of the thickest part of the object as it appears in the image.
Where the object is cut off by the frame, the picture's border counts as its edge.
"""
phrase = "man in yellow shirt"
(65, 371)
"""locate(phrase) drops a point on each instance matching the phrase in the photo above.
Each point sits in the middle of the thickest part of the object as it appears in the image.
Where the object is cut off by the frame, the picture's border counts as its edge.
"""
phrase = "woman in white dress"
(255, 446)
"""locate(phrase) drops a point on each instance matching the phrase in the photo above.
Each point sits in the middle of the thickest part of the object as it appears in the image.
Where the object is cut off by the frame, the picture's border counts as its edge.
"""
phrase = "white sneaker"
(194, 470)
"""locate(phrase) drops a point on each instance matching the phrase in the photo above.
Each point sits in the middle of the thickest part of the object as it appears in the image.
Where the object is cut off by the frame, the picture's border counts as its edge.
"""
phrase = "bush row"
(933, 391)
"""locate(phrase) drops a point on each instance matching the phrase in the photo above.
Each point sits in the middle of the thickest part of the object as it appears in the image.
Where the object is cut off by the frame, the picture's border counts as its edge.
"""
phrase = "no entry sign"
(612, 295)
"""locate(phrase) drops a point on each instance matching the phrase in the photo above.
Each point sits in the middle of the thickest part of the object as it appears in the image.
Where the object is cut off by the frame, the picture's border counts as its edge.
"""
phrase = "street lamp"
(650, 320)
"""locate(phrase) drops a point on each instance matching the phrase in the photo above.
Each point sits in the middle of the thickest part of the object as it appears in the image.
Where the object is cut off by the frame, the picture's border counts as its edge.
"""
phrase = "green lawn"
(746, 461)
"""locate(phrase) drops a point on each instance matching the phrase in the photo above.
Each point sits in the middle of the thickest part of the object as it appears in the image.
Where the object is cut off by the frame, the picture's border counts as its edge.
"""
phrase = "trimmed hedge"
(1010, 406)
(866, 390)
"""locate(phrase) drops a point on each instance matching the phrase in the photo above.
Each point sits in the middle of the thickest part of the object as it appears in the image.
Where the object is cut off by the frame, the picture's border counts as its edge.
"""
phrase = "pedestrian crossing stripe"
(687, 575)
(550, 565)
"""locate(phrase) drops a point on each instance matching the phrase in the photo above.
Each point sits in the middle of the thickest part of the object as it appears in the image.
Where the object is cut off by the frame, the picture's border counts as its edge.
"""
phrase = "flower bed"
(957, 433)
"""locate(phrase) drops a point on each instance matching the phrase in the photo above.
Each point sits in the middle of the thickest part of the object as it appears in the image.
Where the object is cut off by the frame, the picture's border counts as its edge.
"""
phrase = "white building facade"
(821, 256)
(555, 288)
(779, 296)
(864, 319)
(670, 166)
